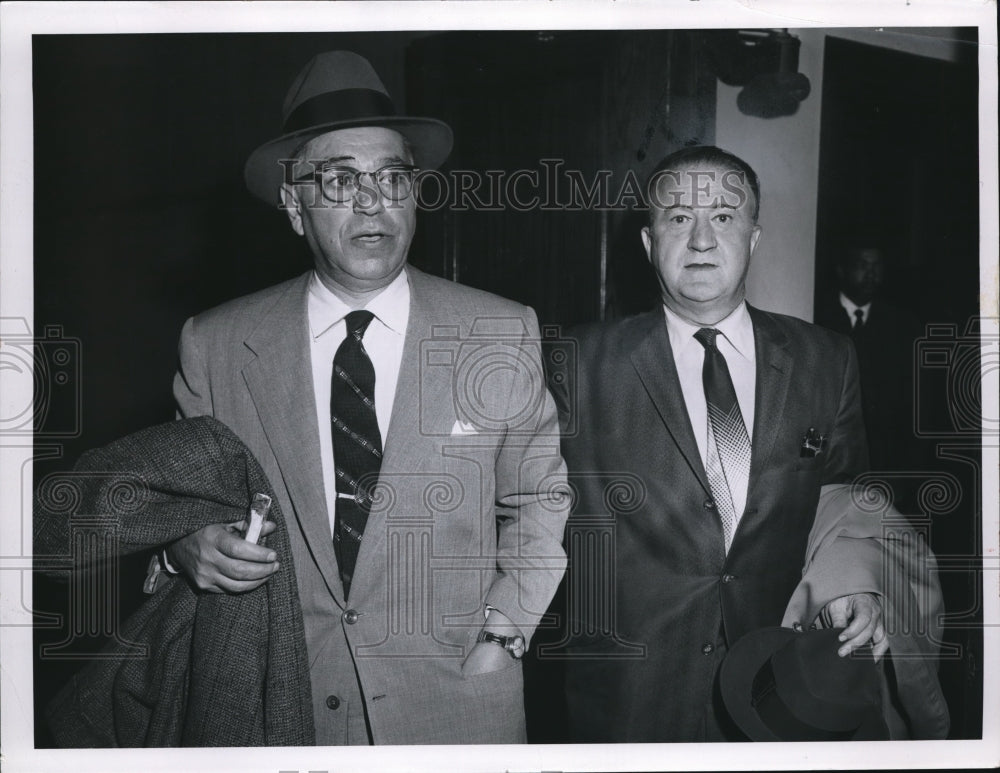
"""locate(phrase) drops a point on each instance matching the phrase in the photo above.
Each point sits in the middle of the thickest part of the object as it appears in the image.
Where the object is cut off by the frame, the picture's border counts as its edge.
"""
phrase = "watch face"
(515, 645)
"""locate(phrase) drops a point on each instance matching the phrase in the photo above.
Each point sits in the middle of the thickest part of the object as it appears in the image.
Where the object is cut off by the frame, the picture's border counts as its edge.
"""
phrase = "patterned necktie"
(357, 444)
(728, 443)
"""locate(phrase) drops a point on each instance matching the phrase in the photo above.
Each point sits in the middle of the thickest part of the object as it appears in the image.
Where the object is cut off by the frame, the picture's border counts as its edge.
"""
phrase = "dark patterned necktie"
(357, 444)
(728, 443)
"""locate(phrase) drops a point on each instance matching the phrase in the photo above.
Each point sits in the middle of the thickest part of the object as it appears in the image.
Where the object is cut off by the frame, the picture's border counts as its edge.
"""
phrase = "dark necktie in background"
(859, 323)
(728, 457)
(357, 444)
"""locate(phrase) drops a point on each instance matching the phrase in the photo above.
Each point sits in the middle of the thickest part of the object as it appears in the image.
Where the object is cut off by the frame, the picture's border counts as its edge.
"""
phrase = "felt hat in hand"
(339, 90)
(782, 685)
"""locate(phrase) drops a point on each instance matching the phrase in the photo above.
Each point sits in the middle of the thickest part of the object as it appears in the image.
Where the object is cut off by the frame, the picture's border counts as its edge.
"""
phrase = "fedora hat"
(782, 685)
(339, 90)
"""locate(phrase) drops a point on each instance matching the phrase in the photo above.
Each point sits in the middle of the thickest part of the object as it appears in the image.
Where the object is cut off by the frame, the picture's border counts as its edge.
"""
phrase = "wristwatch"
(513, 644)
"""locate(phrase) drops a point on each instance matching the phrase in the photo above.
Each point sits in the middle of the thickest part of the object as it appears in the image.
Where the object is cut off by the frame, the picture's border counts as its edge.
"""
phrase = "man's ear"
(647, 242)
(290, 203)
(754, 238)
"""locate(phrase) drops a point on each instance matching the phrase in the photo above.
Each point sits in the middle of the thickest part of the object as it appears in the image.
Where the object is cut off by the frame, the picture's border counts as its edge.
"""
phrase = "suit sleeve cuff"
(503, 597)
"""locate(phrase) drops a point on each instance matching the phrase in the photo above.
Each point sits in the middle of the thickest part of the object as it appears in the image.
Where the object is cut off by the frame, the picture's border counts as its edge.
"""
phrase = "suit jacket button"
(350, 617)
(708, 649)
(332, 702)
(728, 578)
(708, 504)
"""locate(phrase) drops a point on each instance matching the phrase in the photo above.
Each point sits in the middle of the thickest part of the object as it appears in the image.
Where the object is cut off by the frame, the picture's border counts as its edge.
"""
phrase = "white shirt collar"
(737, 328)
(388, 306)
(851, 307)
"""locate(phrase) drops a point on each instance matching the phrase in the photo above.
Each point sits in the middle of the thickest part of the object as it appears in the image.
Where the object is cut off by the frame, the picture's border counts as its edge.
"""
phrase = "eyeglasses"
(340, 184)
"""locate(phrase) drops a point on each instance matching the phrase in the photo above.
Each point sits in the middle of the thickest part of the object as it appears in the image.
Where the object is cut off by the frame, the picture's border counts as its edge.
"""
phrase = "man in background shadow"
(883, 336)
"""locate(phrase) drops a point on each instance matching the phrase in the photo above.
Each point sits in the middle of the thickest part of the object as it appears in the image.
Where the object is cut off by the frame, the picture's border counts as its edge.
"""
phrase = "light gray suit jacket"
(469, 512)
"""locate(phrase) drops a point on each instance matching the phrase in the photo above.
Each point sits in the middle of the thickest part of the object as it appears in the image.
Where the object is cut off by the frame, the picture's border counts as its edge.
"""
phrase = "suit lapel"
(774, 374)
(653, 360)
(280, 383)
(417, 389)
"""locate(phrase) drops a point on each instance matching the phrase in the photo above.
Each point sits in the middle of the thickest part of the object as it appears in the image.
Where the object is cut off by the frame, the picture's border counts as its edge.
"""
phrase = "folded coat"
(220, 670)
(860, 543)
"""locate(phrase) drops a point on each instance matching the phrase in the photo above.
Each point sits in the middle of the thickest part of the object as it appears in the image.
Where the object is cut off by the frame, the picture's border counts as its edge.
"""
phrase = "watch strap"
(513, 644)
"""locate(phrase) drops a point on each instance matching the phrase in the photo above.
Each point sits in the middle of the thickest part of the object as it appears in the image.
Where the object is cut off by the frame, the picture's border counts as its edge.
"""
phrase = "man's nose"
(367, 196)
(702, 236)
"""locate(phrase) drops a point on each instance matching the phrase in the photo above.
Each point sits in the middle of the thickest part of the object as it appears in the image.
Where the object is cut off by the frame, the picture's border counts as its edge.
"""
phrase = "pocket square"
(812, 444)
(464, 428)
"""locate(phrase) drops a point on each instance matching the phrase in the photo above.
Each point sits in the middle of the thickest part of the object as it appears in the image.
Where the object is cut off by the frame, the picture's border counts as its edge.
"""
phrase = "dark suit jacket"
(885, 350)
(653, 600)
(468, 513)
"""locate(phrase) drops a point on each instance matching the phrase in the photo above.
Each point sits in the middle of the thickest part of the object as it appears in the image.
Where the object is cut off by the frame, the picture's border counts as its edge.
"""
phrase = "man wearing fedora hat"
(405, 426)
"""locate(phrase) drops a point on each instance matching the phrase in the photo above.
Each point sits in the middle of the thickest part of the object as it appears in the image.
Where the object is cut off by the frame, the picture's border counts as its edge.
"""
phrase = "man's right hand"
(217, 559)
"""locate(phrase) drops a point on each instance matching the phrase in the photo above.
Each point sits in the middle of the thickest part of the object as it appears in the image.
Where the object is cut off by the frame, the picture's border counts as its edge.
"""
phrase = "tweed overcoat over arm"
(217, 669)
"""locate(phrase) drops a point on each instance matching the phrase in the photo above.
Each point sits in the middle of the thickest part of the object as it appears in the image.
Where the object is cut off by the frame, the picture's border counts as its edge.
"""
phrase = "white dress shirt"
(852, 307)
(736, 344)
(383, 341)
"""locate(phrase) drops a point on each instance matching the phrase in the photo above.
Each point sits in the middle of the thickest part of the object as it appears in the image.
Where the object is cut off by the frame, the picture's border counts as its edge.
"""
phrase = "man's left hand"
(860, 614)
(485, 657)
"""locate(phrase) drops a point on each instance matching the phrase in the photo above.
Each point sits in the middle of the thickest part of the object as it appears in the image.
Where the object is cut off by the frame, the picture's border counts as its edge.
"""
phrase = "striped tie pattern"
(357, 444)
(728, 457)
